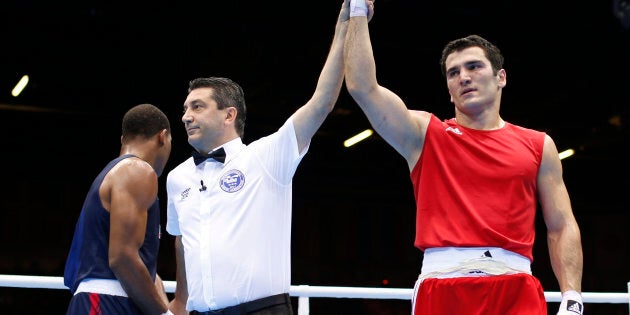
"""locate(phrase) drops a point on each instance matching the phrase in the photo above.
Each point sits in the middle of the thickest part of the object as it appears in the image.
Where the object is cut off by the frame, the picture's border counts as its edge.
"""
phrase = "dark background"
(353, 216)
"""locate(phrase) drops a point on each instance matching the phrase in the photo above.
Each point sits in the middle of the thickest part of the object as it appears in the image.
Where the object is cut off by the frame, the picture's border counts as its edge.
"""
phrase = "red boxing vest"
(477, 188)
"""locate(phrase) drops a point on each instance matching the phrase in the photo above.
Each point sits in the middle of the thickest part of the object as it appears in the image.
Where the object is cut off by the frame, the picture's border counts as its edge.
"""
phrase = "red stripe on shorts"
(95, 304)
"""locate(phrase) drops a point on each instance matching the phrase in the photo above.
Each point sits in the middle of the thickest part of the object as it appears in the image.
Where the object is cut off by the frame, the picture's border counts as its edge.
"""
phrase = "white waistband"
(101, 286)
(458, 261)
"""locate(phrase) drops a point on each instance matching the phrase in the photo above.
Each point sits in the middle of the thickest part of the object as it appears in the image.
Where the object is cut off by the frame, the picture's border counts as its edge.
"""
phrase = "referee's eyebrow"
(195, 102)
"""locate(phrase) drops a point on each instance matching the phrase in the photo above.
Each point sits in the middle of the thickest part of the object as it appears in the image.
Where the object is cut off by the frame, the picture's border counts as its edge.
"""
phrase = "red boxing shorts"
(514, 294)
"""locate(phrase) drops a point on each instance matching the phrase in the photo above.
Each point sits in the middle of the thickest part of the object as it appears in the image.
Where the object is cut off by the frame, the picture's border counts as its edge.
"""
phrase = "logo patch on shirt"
(184, 193)
(454, 130)
(232, 181)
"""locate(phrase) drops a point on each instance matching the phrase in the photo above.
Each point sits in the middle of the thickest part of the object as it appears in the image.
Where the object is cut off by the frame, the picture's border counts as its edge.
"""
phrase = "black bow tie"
(218, 155)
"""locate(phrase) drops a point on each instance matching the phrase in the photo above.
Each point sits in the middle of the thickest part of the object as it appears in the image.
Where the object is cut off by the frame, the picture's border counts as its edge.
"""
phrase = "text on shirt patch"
(184, 193)
(232, 181)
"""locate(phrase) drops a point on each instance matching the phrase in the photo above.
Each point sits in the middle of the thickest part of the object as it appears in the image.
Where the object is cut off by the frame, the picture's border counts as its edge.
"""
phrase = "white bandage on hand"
(358, 8)
(571, 303)
(168, 312)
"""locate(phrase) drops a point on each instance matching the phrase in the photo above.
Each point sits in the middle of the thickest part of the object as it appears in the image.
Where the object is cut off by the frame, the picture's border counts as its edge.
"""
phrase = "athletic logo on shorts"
(232, 181)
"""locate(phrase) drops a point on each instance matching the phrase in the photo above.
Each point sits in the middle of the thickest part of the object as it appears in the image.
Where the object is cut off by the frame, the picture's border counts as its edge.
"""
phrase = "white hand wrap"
(571, 303)
(358, 8)
(168, 312)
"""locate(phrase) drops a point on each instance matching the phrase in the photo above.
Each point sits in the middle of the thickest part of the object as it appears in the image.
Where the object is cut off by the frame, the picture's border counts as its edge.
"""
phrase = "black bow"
(218, 155)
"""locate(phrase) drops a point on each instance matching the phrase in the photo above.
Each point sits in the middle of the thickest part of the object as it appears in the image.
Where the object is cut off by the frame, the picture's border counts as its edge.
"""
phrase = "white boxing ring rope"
(304, 292)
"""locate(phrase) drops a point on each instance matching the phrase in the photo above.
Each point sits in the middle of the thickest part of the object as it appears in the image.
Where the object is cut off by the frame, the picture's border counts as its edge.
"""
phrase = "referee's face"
(205, 124)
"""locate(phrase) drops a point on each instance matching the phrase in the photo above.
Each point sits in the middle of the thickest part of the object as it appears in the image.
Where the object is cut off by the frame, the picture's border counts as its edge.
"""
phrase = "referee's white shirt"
(237, 231)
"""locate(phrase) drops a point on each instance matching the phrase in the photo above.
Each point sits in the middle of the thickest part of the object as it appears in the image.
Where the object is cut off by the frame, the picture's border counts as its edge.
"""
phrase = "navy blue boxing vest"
(88, 256)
